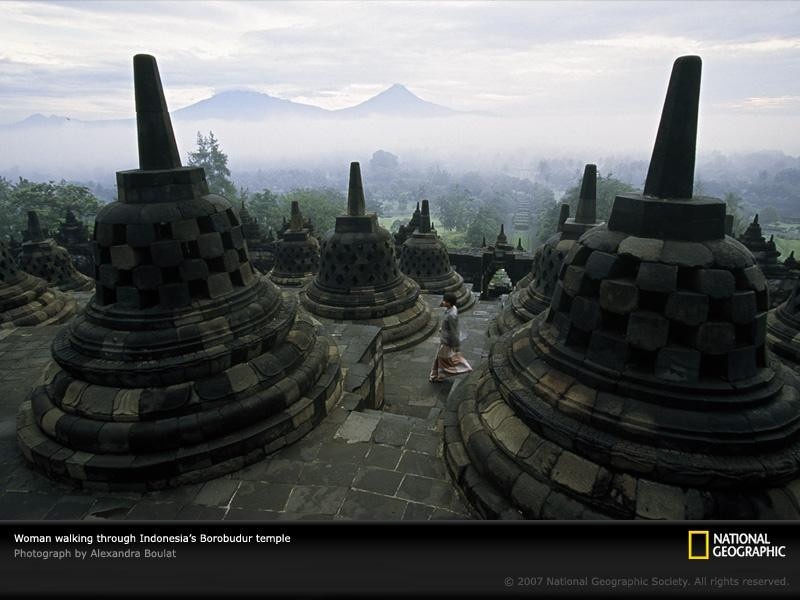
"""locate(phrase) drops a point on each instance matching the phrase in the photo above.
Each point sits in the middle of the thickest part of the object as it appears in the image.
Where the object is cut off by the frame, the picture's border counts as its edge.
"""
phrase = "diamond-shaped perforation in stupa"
(186, 364)
(296, 253)
(28, 301)
(645, 390)
(359, 279)
(424, 258)
(533, 297)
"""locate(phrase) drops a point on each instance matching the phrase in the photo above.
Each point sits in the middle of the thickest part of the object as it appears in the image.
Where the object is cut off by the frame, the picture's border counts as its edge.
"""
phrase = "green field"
(452, 239)
(786, 246)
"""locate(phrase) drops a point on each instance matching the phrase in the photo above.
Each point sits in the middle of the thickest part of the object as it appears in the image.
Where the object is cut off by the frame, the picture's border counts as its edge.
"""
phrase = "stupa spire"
(425, 218)
(356, 206)
(35, 233)
(671, 172)
(587, 201)
(296, 221)
(563, 215)
(157, 147)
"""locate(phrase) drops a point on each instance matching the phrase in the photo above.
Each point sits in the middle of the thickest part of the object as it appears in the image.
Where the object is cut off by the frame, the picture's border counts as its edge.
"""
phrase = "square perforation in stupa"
(170, 264)
(651, 316)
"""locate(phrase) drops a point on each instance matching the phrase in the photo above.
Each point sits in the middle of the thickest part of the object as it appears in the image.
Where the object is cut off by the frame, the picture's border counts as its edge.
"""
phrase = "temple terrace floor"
(358, 464)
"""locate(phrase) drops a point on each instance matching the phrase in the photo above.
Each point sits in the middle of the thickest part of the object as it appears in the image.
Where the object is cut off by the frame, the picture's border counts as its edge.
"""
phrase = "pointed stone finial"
(483, 243)
(671, 172)
(35, 233)
(417, 210)
(563, 215)
(519, 245)
(587, 201)
(501, 237)
(356, 206)
(425, 218)
(296, 221)
(157, 147)
(755, 219)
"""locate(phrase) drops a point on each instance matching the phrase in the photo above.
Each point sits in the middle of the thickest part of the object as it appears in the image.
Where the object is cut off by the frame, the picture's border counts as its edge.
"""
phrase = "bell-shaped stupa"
(525, 303)
(645, 390)
(296, 253)
(42, 257)
(27, 301)
(259, 245)
(71, 232)
(186, 364)
(780, 276)
(425, 260)
(359, 279)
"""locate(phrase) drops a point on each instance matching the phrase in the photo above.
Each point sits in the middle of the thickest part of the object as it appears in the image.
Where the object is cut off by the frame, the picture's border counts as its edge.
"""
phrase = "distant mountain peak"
(397, 100)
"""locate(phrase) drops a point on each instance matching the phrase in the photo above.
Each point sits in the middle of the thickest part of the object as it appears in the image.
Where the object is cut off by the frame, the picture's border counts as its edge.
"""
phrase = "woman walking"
(449, 361)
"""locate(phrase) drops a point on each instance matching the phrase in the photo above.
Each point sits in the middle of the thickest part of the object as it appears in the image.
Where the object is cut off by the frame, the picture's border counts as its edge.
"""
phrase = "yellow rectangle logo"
(697, 534)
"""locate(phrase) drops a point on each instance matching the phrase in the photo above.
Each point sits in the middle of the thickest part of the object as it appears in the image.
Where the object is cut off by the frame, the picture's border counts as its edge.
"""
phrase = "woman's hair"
(450, 298)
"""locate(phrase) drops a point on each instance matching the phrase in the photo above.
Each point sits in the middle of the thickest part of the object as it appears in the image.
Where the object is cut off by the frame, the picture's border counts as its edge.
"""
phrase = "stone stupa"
(42, 257)
(186, 364)
(74, 236)
(27, 301)
(425, 260)
(259, 246)
(646, 389)
(527, 302)
(783, 330)
(780, 276)
(526, 281)
(296, 253)
(359, 279)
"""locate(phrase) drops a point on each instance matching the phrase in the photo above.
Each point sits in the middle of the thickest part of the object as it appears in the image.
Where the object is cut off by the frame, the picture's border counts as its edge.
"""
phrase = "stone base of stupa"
(29, 302)
(453, 283)
(403, 316)
(525, 440)
(524, 282)
(108, 438)
(783, 337)
(521, 306)
(291, 280)
(54, 264)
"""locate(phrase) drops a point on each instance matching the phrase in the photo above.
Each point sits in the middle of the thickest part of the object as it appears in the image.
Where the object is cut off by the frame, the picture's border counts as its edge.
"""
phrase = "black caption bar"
(400, 559)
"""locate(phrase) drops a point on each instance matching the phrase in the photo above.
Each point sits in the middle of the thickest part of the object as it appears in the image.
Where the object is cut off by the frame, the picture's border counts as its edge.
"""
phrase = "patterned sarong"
(448, 363)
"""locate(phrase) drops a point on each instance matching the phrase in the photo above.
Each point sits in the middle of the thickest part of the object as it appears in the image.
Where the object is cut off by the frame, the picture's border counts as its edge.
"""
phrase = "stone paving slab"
(370, 464)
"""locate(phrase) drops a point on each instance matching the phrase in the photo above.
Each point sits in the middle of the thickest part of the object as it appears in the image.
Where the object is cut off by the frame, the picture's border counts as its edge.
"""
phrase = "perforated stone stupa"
(407, 230)
(42, 257)
(783, 330)
(260, 246)
(186, 364)
(359, 279)
(74, 236)
(27, 301)
(527, 302)
(425, 260)
(645, 390)
(780, 277)
(296, 253)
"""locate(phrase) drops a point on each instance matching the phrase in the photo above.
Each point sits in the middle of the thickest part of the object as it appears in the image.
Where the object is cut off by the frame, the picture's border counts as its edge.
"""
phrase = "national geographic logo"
(703, 545)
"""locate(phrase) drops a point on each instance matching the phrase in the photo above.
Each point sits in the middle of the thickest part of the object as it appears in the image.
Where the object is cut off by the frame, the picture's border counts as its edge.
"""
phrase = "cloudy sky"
(569, 61)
